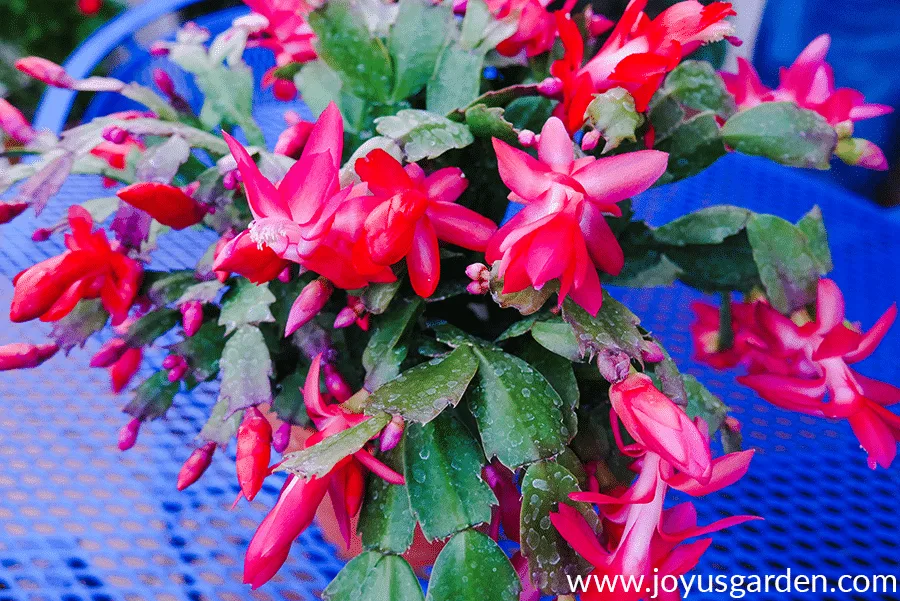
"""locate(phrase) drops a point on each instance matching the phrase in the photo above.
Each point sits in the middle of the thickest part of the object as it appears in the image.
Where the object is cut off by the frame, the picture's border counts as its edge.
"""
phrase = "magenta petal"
(327, 136)
(378, 468)
(307, 184)
(725, 471)
(445, 185)
(423, 260)
(601, 243)
(572, 526)
(312, 395)
(786, 391)
(875, 437)
(868, 111)
(616, 178)
(460, 226)
(829, 305)
(881, 392)
(684, 558)
(709, 529)
(873, 337)
(815, 52)
(521, 172)
(555, 146)
(262, 195)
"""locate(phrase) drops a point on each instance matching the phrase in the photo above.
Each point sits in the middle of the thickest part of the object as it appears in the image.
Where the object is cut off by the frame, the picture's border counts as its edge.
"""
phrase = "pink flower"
(300, 497)
(637, 55)
(14, 124)
(806, 368)
(20, 355)
(195, 465)
(705, 332)
(45, 71)
(643, 539)
(123, 369)
(562, 233)
(306, 218)
(809, 83)
(287, 35)
(412, 212)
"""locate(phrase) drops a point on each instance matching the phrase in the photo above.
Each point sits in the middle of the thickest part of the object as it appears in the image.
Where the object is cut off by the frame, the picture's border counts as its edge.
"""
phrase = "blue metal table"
(80, 521)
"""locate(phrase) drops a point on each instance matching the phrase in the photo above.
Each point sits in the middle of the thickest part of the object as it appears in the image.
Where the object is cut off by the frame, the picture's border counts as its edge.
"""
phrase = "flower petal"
(616, 178)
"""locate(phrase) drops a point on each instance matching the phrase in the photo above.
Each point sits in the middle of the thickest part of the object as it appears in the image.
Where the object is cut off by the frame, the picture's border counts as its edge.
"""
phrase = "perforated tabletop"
(80, 521)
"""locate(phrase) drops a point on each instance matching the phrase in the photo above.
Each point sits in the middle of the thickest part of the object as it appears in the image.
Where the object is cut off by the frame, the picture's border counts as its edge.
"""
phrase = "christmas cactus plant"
(405, 311)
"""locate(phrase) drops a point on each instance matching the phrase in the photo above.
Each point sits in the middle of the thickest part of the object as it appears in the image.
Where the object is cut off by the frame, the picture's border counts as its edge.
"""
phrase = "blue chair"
(94, 524)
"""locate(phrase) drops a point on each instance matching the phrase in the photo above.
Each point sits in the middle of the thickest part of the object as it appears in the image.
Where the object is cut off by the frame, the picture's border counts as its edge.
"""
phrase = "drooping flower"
(412, 213)
(168, 204)
(637, 55)
(562, 233)
(643, 539)
(809, 83)
(123, 369)
(89, 268)
(300, 497)
(19, 355)
(306, 218)
(287, 35)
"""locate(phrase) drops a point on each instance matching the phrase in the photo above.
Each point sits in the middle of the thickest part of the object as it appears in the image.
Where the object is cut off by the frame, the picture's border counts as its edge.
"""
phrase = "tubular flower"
(300, 498)
(673, 452)
(637, 55)
(288, 36)
(562, 233)
(306, 218)
(124, 368)
(811, 371)
(20, 355)
(412, 212)
(168, 204)
(89, 268)
(809, 83)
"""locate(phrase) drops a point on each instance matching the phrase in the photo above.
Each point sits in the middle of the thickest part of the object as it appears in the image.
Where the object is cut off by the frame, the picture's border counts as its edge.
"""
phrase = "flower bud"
(128, 434)
(478, 271)
(195, 465)
(19, 355)
(614, 364)
(230, 180)
(124, 368)
(164, 82)
(651, 352)
(285, 275)
(89, 7)
(527, 138)
(282, 437)
(345, 318)
(284, 90)
(590, 140)
(14, 124)
(45, 71)
(392, 433)
(254, 449)
(159, 49)
(335, 383)
(42, 234)
(191, 317)
(598, 24)
(308, 304)
(115, 134)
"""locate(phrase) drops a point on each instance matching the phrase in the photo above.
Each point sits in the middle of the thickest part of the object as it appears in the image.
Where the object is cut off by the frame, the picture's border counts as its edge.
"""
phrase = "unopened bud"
(41, 234)
(164, 82)
(552, 87)
(109, 353)
(122, 371)
(45, 71)
(19, 355)
(282, 437)
(335, 383)
(191, 317)
(478, 288)
(590, 140)
(613, 364)
(651, 352)
(285, 275)
(195, 465)
(230, 180)
(478, 271)
(527, 138)
(254, 449)
(128, 434)
(392, 433)
(352, 313)
(115, 134)
(159, 49)
(308, 304)
(284, 90)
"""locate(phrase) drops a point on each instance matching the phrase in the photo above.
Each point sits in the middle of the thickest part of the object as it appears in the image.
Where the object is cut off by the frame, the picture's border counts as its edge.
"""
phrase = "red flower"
(167, 204)
(562, 233)
(90, 268)
(288, 36)
(122, 371)
(637, 55)
(412, 213)
(300, 497)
